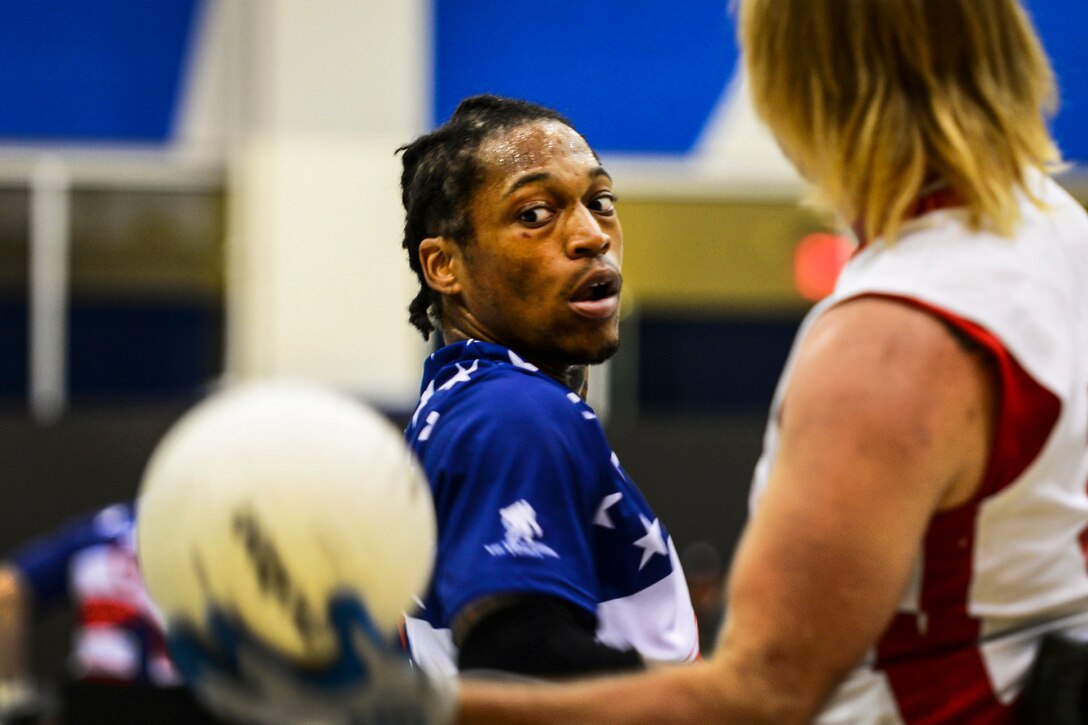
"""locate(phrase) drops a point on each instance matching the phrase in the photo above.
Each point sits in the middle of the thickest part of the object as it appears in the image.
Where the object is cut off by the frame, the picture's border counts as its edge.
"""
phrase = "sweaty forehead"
(531, 146)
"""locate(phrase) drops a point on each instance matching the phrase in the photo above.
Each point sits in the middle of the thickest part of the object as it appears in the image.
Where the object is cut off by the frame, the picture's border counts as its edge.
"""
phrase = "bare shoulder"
(885, 420)
(893, 380)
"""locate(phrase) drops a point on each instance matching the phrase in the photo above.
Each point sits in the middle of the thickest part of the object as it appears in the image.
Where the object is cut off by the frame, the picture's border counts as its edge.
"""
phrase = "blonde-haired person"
(919, 506)
(918, 512)
(878, 103)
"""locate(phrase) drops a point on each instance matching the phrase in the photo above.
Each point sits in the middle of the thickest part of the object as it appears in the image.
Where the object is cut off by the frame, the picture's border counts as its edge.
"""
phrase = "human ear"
(439, 257)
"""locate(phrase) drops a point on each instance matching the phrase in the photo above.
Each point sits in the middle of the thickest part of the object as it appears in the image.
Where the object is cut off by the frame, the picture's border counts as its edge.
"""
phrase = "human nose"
(587, 237)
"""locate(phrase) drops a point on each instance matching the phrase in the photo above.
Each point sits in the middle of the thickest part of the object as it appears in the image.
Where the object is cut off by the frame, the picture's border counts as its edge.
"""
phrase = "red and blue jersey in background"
(90, 564)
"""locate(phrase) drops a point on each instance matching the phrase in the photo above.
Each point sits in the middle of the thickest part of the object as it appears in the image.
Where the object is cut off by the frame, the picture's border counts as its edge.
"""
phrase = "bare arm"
(887, 419)
(19, 699)
(14, 626)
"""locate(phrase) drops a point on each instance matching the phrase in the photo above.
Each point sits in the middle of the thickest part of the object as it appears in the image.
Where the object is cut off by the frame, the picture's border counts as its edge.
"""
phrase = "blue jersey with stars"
(530, 499)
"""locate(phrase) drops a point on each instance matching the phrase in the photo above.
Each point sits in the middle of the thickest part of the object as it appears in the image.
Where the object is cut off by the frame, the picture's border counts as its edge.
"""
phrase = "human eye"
(604, 203)
(535, 215)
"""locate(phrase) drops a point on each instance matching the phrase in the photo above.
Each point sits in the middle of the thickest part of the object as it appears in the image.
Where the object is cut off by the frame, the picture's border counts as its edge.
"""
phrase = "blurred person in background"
(120, 670)
(705, 573)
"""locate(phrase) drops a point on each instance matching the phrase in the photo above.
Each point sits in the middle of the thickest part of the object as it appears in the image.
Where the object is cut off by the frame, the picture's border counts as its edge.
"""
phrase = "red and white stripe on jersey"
(940, 621)
(996, 572)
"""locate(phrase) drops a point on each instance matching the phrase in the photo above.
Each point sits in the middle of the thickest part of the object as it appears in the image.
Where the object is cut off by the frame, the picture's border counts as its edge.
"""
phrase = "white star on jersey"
(520, 363)
(432, 418)
(652, 543)
(574, 398)
(463, 375)
(601, 518)
(423, 400)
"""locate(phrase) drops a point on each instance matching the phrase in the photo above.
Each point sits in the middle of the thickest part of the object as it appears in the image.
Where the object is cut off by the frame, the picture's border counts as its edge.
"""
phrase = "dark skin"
(541, 273)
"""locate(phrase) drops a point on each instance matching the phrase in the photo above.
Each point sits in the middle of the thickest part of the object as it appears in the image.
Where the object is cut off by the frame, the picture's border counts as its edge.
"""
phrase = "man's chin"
(571, 352)
(602, 353)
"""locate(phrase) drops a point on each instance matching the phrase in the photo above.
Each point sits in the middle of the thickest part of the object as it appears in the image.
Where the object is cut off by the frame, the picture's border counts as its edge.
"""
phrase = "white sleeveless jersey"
(997, 572)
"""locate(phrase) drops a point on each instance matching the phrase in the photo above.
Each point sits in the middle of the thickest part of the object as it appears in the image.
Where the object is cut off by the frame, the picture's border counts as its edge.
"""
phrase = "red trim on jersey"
(1027, 411)
(930, 658)
(98, 612)
(943, 197)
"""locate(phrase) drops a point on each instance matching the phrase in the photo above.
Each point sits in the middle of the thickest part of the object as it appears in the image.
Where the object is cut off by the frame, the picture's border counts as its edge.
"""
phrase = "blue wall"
(641, 76)
(1064, 27)
(637, 76)
(634, 76)
(107, 70)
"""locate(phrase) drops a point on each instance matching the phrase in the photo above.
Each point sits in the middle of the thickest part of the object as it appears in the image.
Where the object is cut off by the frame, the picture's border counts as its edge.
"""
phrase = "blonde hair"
(874, 100)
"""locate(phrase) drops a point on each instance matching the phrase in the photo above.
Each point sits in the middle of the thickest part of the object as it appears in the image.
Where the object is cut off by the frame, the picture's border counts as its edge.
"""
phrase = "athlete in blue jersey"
(119, 664)
(549, 560)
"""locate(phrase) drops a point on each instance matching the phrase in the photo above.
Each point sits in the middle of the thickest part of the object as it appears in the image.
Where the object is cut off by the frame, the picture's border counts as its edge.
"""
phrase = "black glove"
(1056, 690)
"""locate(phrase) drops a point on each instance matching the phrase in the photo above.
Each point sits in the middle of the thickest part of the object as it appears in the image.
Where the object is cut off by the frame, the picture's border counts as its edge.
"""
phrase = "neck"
(578, 380)
(575, 377)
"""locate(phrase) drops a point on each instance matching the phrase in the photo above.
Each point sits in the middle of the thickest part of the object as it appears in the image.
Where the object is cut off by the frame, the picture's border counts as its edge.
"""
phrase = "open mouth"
(600, 290)
(598, 296)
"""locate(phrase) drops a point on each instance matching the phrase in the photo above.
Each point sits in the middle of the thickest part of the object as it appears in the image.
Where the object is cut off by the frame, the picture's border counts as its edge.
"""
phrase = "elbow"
(780, 695)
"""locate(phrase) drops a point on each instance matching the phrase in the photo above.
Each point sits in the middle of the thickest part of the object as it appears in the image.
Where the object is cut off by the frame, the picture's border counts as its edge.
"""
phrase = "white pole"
(317, 281)
(48, 309)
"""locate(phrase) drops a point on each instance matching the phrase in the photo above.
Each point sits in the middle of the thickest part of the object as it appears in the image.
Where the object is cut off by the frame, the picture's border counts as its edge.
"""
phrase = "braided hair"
(441, 174)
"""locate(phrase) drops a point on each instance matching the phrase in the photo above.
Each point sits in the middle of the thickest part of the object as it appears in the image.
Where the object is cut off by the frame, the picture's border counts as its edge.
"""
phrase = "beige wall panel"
(712, 254)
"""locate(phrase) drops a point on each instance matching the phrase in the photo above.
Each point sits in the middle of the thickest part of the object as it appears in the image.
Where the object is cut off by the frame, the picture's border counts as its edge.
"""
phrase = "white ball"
(268, 499)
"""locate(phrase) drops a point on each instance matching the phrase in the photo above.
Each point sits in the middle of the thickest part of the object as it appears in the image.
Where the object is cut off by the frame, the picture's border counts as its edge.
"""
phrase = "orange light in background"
(817, 262)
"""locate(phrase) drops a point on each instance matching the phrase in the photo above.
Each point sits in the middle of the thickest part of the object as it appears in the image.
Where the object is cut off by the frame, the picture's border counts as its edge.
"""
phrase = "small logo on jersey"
(522, 532)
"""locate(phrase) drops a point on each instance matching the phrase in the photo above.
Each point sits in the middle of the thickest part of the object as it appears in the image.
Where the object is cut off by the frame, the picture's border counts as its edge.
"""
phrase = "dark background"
(688, 430)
